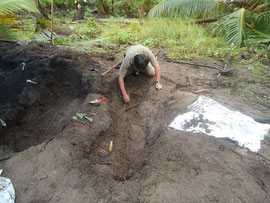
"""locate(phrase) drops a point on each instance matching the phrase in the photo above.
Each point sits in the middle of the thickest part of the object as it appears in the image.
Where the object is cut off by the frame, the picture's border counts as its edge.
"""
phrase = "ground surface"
(149, 161)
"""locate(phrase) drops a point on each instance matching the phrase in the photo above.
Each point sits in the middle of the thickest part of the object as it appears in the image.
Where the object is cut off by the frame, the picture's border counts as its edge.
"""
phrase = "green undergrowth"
(255, 92)
(267, 137)
(256, 70)
(261, 73)
(181, 39)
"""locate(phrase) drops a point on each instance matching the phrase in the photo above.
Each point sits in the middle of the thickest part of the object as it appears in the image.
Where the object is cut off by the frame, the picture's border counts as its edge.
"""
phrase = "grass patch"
(261, 73)
(256, 93)
(184, 39)
(267, 137)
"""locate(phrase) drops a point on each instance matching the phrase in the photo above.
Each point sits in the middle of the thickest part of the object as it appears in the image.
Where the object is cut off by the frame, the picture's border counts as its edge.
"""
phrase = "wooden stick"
(111, 146)
(194, 64)
(132, 107)
(111, 68)
(52, 22)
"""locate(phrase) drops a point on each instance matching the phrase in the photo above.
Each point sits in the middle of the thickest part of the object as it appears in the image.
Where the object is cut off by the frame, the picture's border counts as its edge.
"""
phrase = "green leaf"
(232, 27)
(45, 36)
(84, 46)
(6, 33)
(11, 6)
(194, 8)
(260, 28)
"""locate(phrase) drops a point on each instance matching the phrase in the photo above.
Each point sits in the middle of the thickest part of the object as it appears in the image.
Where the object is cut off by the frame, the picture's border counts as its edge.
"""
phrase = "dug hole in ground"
(51, 158)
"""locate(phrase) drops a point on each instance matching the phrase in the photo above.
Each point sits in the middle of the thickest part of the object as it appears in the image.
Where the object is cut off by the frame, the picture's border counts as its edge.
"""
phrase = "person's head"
(140, 62)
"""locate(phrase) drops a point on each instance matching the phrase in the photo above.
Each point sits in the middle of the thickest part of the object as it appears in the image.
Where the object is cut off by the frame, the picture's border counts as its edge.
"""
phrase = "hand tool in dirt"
(221, 71)
(97, 101)
(202, 90)
(3, 123)
(23, 65)
(21, 43)
(30, 81)
(62, 128)
(118, 63)
(82, 115)
(93, 69)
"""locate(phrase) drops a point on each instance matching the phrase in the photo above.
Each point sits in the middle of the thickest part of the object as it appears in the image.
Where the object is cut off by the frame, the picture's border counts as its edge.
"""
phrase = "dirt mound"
(70, 161)
(55, 76)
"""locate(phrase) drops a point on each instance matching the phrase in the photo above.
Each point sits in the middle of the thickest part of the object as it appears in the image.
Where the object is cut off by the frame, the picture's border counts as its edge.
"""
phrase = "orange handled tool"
(97, 101)
(202, 90)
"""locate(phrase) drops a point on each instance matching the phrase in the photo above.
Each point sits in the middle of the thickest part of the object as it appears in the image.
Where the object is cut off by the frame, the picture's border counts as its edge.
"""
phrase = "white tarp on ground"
(7, 193)
(207, 116)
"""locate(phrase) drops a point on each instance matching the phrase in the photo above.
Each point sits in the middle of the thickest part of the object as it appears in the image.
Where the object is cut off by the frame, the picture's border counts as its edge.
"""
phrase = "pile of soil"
(51, 158)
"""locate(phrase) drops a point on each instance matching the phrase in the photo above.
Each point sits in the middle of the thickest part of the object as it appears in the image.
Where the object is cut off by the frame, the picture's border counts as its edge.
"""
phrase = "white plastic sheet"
(207, 116)
(7, 193)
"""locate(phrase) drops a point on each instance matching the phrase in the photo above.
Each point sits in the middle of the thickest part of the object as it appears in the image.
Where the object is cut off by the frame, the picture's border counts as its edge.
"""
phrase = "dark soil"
(51, 158)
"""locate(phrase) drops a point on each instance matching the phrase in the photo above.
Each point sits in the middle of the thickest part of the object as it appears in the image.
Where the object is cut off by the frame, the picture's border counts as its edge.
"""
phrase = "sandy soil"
(50, 158)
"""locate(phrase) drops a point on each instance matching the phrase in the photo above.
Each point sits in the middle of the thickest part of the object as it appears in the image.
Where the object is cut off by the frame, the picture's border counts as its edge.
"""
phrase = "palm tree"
(7, 8)
(240, 22)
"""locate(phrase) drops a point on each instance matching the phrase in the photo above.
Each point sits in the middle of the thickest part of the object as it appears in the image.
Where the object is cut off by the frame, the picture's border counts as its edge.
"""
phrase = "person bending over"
(138, 59)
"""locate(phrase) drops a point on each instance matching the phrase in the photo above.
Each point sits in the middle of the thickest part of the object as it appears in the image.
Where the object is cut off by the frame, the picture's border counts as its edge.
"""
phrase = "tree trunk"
(41, 9)
(238, 2)
(122, 21)
(206, 20)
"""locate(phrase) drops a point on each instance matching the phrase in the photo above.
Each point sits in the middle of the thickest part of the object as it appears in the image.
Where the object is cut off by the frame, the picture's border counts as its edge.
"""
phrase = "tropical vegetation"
(7, 16)
(240, 23)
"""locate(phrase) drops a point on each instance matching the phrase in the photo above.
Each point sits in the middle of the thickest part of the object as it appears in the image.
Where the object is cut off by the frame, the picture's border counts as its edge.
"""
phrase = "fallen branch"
(8, 41)
(224, 71)
(206, 20)
(118, 63)
(194, 64)
(238, 2)
(120, 21)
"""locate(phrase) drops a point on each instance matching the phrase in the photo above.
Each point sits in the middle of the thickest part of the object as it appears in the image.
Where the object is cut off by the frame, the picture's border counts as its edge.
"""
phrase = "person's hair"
(140, 61)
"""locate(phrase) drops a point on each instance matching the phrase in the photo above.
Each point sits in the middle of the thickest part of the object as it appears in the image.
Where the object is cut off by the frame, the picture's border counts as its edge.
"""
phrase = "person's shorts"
(150, 70)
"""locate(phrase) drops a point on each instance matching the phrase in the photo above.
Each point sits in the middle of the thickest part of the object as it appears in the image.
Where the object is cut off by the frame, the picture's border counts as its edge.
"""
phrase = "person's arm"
(155, 64)
(123, 89)
(158, 84)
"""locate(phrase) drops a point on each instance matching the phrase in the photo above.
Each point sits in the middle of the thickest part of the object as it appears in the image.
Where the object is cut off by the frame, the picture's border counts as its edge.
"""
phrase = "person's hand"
(158, 86)
(126, 98)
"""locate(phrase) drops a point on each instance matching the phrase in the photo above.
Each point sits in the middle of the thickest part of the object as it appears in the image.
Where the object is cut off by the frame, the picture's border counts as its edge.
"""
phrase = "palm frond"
(6, 33)
(45, 36)
(119, 4)
(84, 46)
(232, 27)
(260, 28)
(191, 8)
(11, 6)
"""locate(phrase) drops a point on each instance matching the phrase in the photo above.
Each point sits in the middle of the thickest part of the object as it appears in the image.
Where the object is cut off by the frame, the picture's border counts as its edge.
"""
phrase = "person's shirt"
(129, 58)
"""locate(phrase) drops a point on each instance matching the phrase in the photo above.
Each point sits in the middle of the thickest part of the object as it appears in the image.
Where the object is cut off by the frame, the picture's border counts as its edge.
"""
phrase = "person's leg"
(150, 70)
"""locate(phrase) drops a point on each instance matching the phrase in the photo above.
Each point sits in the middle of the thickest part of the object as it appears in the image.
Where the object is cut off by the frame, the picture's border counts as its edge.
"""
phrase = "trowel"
(97, 101)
